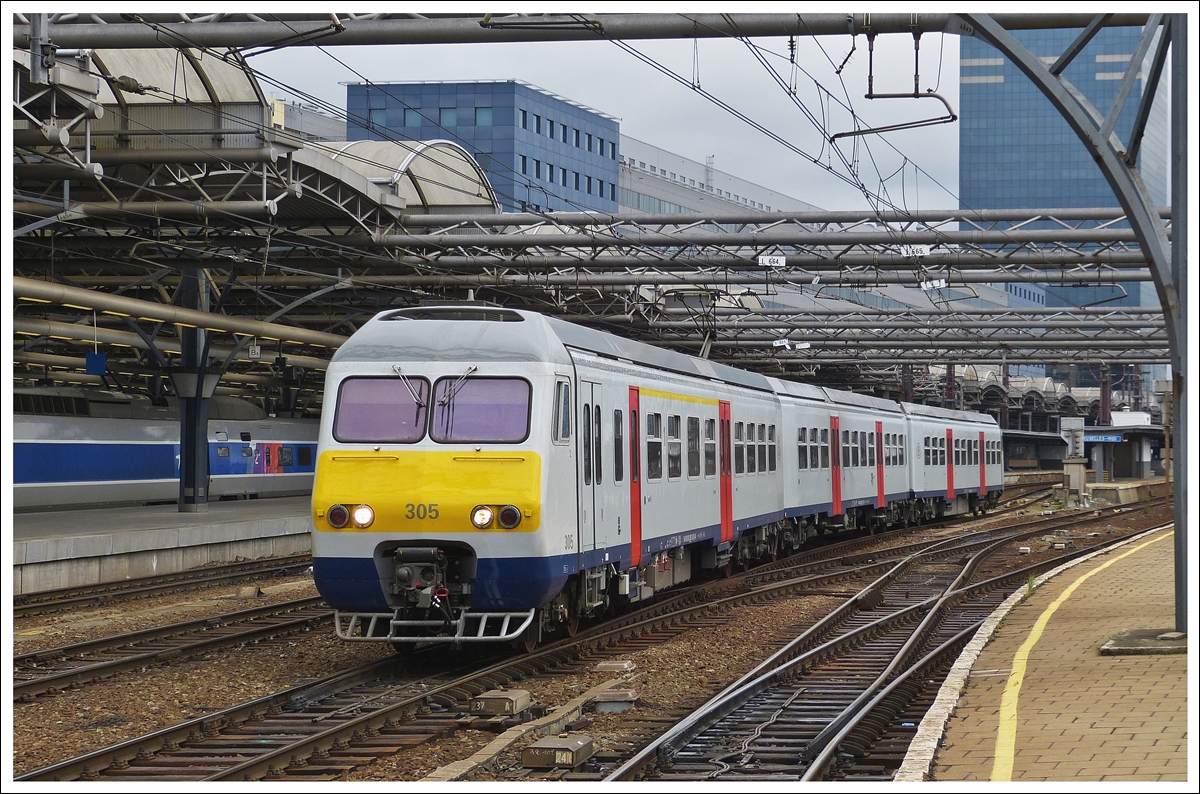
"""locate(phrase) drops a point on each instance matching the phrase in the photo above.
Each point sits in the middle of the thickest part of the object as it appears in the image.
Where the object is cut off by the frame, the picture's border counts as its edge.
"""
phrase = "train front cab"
(429, 504)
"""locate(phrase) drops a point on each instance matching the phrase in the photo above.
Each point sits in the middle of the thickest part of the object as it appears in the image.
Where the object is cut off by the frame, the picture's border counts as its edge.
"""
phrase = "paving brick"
(1081, 716)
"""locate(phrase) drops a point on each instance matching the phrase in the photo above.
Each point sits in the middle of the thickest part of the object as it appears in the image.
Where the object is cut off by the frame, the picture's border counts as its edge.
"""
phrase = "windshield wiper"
(408, 385)
(454, 387)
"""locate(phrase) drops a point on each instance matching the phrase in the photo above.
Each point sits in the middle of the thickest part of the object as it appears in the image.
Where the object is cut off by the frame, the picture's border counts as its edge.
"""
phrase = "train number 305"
(421, 512)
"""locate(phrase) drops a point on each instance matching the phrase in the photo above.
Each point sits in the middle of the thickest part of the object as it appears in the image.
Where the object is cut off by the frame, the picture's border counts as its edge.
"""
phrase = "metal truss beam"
(128, 31)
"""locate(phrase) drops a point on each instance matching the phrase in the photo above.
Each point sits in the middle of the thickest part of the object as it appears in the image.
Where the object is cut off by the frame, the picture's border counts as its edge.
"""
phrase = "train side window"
(854, 463)
(751, 447)
(247, 452)
(871, 450)
(618, 450)
(901, 461)
(304, 455)
(674, 448)
(814, 450)
(653, 446)
(942, 451)
(562, 412)
(285, 456)
(975, 452)
(222, 452)
(635, 448)
(845, 456)
(889, 441)
(762, 448)
(772, 455)
(586, 427)
(825, 448)
(693, 446)
(598, 447)
(710, 447)
(739, 448)
(802, 446)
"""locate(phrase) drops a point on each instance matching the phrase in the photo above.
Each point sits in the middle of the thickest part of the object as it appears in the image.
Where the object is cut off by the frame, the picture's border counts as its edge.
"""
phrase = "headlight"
(481, 517)
(363, 516)
(509, 517)
(338, 516)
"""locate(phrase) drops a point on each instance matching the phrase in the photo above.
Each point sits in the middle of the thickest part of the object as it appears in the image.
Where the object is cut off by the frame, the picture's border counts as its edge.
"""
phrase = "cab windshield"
(381, 409)
(481, 410)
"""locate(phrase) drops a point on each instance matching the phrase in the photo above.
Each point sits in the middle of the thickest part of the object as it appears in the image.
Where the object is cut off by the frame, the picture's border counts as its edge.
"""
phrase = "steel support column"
(193, 402)
(1167, 265)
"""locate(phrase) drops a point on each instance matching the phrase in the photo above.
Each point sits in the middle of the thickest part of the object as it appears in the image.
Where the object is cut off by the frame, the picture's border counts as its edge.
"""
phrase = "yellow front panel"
(427, 492)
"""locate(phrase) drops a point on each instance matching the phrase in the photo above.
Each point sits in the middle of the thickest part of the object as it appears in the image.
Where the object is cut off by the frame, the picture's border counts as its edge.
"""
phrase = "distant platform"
(74, 548)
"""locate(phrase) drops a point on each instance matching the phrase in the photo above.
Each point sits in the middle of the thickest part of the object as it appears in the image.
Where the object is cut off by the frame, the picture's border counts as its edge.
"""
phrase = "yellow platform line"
(1006, 737)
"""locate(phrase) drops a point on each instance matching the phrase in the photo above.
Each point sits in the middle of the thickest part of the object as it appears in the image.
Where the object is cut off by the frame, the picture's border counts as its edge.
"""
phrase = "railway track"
(70, 667)
(371, 712)
(855, 680)
(28, 604)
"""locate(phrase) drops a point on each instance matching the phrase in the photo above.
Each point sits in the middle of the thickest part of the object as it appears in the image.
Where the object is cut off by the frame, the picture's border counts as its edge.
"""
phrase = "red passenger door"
(881, 494)
(726, 473)
(635, 478)
(835, 464)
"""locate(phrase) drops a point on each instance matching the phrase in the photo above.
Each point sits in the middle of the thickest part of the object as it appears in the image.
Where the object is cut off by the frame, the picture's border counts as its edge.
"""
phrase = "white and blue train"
(76, 447)
(489, 474)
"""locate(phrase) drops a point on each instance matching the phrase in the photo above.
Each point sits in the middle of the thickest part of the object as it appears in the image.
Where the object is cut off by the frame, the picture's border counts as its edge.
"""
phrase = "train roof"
(933, 412)
(465, 333)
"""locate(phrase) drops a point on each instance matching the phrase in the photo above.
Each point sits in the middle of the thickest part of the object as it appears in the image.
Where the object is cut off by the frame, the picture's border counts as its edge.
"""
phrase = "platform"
(74, 548)
(1034, 699)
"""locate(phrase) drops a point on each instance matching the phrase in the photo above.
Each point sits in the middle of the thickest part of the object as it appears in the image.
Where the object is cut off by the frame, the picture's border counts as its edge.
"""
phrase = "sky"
(660, 111)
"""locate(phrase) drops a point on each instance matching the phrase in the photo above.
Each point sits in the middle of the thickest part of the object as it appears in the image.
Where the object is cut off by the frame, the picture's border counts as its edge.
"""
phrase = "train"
(489, 474)
(81, 447)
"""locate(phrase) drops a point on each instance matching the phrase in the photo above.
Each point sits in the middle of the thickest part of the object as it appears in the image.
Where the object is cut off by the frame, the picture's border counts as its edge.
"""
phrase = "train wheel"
(528, 641)
(573, 626)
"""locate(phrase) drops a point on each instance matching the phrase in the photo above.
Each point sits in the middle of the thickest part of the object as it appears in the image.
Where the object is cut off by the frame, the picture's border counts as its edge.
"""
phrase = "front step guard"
(469, 627)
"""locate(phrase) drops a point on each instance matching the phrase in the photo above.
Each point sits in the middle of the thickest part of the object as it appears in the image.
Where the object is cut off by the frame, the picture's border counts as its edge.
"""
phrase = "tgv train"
(75, 447)
(488, 474)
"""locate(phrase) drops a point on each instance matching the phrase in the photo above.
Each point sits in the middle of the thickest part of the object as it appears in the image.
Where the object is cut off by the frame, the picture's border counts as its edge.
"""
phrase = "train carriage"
(488, 474)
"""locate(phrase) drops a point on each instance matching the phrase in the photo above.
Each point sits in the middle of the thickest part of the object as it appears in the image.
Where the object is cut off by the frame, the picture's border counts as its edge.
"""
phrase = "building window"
(377, 117)
(589, 141)
(563, 132)
(612, 150)
(600, 192)
(692, 182)
(576, 133)
(600, 146)
(524, 166)
(524, 120)
(550, 128)
(412, 118)
(448, 117)
(483, 117)
(537, 169)
(576, 180)
(562, 174)
(612, 192)
(537, 124)
(549, 172)
(589, 185)
(653, 170)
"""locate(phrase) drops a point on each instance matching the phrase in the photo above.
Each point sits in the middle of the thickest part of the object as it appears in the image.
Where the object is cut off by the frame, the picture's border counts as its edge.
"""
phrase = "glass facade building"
(541, 152)
(1017, 151)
